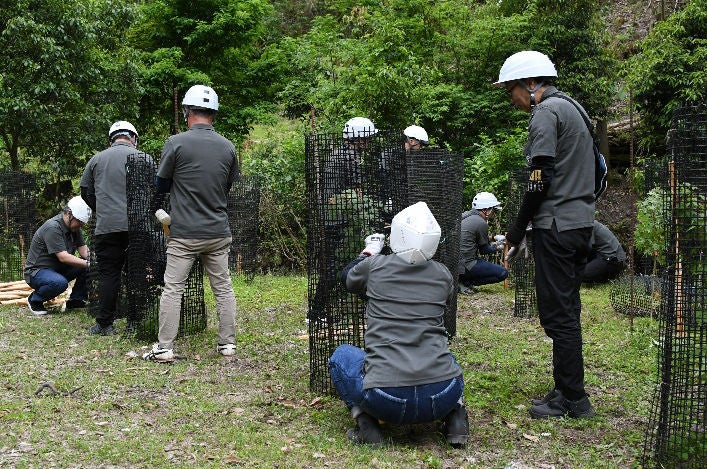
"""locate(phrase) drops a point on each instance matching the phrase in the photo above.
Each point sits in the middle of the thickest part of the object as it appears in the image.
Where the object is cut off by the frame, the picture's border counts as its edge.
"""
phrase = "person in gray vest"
(559, 200)
(473, 270)
(607, 258)
(198, 168)
(103, 189)
(51, 263)
(407, 373)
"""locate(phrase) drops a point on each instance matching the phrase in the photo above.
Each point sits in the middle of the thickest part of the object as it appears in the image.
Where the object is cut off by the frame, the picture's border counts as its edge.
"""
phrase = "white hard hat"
(121, 128)
(415, 234)
(79, 209)
(526, 64)
(418, 133)
(201, 96)
(484, 200)
(359, 127)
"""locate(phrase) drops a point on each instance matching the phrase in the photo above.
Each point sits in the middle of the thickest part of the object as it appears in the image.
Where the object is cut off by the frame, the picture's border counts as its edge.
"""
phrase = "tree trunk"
(603, 141)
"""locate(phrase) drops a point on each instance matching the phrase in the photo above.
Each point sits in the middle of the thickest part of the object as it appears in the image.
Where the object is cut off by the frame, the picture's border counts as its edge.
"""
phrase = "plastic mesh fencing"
(243, 217)
(522, 269)
(147, 259)
(639, 290)
(677, 432)
(354, 189)
(19, 222)
(434, 177)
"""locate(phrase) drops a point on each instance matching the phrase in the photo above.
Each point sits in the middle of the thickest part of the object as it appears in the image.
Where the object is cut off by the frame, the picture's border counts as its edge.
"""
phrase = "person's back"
(202, 165)
(405, 335)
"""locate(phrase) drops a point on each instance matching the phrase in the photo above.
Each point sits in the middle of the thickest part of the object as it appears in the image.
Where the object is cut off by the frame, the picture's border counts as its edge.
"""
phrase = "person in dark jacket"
(407, 373)
(559, 201)
(607, 259)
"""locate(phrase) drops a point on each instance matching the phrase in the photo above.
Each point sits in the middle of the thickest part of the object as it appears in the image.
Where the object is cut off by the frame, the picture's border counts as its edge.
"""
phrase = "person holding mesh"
(407, 373)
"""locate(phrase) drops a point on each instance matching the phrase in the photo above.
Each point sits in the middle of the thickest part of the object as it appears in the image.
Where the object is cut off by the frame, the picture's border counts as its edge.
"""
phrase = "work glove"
(518, 251)
(374, 244)
(499, 243)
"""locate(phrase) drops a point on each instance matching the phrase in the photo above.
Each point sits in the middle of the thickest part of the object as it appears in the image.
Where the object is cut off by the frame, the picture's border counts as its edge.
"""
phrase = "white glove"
(374, 244)
(517, 251)
(163, 217)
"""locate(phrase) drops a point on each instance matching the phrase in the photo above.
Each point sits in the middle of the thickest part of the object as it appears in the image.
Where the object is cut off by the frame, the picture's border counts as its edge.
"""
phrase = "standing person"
(607, 258)
(474, 271)
(51, 263)
(415, 138)
(103, 189)
(407, 373)
(342, 172)
(559, 200)
(198, 168)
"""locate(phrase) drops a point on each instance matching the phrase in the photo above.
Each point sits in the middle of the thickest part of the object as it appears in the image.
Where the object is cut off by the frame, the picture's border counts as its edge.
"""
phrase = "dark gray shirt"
(104, 176)
(52, 237)
(474, 238)
(202, 165)
(605, 244)
(406, 343)
(557, 130)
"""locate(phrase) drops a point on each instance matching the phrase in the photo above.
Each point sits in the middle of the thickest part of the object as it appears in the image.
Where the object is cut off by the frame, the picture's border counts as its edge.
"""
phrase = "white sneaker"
(159, 354)
(226, 350)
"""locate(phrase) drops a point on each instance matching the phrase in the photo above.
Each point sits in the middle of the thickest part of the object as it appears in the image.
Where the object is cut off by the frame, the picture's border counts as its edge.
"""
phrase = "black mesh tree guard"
(19, 222)
(147, 259)
(677, 432)
(243, 217)
(353, 191)
(434, 177)
(638, 291)
(522, 269)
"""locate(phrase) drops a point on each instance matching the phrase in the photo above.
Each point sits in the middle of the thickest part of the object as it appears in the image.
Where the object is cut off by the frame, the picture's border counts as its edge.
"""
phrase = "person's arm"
(83, 251)
(69, 259)
(89, 196)
(541, 173)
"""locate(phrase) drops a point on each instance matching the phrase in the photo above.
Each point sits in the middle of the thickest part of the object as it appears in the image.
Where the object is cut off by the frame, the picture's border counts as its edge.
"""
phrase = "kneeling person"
(407, 373)
(51, 263)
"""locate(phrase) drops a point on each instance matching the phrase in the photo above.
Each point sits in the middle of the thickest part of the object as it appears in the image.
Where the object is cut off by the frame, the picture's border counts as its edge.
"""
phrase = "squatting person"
(407, 373)
(51, 263)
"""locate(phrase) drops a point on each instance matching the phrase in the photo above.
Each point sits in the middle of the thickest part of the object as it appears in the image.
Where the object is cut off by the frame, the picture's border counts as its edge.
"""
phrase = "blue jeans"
(399, 405)
(484, 273)
(48, 283)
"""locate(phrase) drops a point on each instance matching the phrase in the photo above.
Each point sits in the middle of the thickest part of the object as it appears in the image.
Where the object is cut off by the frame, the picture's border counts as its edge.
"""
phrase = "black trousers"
(560, 259)
(600, 270)
(111, 251)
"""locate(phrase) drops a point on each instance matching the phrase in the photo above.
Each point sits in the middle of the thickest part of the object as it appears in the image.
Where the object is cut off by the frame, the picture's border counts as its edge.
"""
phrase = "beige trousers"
(181, 254)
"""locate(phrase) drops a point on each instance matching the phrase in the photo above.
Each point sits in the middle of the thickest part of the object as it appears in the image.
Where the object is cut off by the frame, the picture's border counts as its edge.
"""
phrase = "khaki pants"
(181, 254)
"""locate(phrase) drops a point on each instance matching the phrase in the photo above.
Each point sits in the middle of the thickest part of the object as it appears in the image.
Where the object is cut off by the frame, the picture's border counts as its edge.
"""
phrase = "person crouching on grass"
(406, 374)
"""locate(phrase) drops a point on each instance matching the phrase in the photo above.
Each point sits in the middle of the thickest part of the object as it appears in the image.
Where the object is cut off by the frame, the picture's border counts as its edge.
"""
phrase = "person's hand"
(374, 244)
(516, 252)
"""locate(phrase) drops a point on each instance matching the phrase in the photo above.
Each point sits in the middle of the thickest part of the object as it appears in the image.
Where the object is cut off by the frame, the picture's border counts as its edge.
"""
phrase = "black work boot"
(559, 406)
(552, 393)
(367, 431)
(456, 427)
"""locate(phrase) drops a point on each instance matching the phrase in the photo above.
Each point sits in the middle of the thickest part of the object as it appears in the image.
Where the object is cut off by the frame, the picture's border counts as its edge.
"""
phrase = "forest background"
(284, 68)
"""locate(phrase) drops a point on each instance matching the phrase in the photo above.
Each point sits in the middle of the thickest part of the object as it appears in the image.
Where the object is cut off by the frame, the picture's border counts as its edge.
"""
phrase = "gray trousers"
(181, 254)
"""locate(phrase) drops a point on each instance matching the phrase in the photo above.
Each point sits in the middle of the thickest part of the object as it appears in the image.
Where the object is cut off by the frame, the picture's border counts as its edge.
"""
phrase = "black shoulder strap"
(589, 125)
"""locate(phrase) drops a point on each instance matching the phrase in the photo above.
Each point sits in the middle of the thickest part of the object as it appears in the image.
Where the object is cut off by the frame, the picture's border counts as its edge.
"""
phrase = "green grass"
(255, 409)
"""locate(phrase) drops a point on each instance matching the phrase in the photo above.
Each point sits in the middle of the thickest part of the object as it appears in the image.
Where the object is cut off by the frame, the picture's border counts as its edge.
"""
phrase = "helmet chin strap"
(532, 91)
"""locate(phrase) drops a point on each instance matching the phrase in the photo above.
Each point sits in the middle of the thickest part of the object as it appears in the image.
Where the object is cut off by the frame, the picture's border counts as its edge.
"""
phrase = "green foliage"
(360, 212)
(61, 59)
(669, 71)
(494, 159)
(278, 161)
(651, 225)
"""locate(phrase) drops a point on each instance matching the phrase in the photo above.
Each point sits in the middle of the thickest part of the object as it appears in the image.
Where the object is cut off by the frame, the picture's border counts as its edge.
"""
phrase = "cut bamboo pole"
(678, 261)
